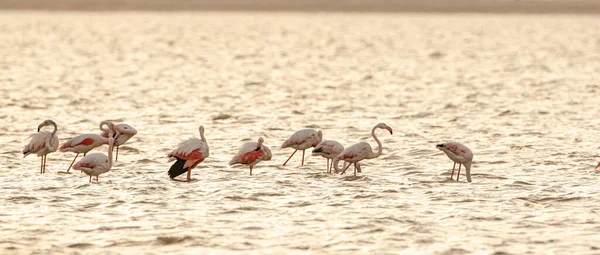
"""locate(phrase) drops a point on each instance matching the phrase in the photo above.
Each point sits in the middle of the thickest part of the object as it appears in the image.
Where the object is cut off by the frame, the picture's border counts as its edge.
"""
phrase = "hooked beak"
(40, 127)
(389, 129)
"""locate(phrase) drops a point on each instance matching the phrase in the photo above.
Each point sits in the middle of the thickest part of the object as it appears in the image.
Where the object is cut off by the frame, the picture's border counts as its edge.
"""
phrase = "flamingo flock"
(191, 152)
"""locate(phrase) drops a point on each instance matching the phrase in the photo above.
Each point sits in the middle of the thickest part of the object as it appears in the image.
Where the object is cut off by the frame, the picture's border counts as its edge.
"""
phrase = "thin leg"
(250, 170)
(452, 174)
(458, 174)
(303, 157)
(354, 169)
(290, 157)
(331, 166)
(328, 169)
(44, 157)
(117, 157)
(189, 174)
(90, 178)
(357, 167)
(72, 162)
(97, 178)
(42, 165)
(346, 168)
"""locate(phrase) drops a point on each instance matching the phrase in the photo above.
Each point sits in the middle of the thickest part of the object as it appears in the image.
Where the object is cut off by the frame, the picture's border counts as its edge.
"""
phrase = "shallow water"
(520, 90)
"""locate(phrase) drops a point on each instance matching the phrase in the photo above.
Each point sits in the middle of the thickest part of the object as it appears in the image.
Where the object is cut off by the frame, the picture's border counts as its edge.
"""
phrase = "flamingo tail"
(177, 168)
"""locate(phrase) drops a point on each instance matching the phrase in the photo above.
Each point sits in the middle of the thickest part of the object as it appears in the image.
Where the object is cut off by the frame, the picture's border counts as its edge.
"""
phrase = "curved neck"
(336, 161)
(55, 129)
(379, 149)
(202, 135)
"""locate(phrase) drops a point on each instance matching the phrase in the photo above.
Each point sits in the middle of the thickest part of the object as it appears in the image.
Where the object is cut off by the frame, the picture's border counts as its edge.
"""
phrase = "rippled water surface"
(520, 90)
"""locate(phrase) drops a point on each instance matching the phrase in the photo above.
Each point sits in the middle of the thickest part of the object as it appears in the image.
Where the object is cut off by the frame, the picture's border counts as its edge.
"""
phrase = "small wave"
(80, 245)
(168, 240)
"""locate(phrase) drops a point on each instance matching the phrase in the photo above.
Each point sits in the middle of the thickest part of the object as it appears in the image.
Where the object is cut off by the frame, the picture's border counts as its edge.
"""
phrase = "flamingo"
(188, 154)
(95, 164)
(360, 151)
(251, 153)
(460, 154)
(125, 131)
(85, 143)
(42, 143)
(328, 149)
(302, 140)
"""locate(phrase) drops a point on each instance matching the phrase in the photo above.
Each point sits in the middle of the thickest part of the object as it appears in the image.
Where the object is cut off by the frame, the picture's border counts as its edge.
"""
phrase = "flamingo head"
(45, 123)
(386, 127)
(260, 143)
(319, 138)
(126, 129)
(268, 154)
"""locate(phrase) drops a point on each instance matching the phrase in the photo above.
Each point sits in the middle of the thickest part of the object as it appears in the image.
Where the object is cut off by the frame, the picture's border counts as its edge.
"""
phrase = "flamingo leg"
(250, 170)
(328, 169)
(458, 174)
(98, 176)
(42, 165)
(117, 156)
(303, 157)
(452, 174)
(90, 178)
(290, 157)
(331, 166)
(597, 166)
(357, 167)
(354, 169)
(73, 162)
(45, 157)
(189, 174)
(345, 169)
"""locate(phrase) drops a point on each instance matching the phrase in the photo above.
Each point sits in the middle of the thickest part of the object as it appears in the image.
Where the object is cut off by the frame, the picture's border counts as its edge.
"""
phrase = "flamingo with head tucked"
(95, 164)
(360, 151)
(302, 140)
(328, 149)
(188, 155)
(125, 133)
(251, 153)
(86, 142)
(460, 154)
(42, 143)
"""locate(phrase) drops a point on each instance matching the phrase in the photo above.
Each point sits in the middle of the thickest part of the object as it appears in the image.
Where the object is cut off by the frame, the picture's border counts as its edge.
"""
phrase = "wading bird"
(251, 153)
(302, 140)
(360, 151)
(188, 155)
(95, 164)
(125, 133)
(86, 142)
(42, 143)
(328, 149)
(459, 154)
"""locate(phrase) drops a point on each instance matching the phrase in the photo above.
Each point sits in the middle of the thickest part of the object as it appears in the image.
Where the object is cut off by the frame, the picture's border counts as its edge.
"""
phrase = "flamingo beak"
(39, 127)
(389, 129)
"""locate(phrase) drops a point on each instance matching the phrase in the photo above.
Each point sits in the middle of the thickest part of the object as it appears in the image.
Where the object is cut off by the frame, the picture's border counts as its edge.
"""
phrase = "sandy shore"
(499, 6)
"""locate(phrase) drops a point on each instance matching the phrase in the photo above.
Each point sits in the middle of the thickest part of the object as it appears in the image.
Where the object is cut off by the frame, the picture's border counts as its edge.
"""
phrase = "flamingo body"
(83, 143)
(302, 140)
(251, 153)
(95, 164)
(460, 154)
(360, 151)
(328, 149)
(42, 143)
(188, 155)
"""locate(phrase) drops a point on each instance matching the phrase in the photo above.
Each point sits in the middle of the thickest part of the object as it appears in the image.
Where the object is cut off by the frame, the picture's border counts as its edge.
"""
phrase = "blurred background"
(538, 6)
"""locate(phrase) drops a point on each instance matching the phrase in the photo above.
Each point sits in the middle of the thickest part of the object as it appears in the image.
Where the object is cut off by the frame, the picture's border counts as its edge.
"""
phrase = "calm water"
(520, 90)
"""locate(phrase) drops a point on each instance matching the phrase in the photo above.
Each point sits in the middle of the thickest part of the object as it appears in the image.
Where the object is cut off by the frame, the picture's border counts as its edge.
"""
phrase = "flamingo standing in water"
(86, 142)
(125, 133)
(360, 151)
(328, 149)
(459, 154)
(188, 154)
(302, 140)
(251, 153)
(42, 143)
(95, 164)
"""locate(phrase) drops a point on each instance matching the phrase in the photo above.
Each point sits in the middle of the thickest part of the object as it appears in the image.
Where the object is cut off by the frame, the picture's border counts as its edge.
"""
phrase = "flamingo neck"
(336, 161)
(55, 129)
(111, 145)
(379, 149)
(202, 136)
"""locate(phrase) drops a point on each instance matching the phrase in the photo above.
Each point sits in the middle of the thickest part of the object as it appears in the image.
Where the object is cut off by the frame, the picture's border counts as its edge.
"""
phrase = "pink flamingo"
(188, 154)
(302, 140)
(360, 151)
(42, 143)
(459, 154)
(86, 142)
(251, 153)
(95, 164)
(125, 133)
(328, 149)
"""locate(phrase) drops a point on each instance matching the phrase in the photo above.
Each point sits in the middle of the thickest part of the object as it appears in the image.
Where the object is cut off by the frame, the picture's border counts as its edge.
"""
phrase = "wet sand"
(520, 90)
